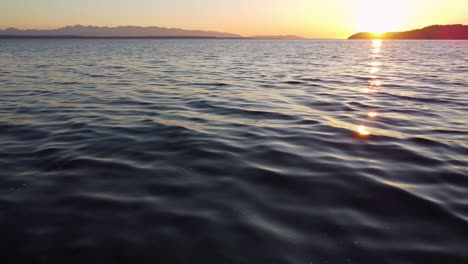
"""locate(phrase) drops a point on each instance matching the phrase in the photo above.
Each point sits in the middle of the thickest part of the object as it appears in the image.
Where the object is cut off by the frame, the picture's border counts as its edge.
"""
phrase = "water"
(233, 151)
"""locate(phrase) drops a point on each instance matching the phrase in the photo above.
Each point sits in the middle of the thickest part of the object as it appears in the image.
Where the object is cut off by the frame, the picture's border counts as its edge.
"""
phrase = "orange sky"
(308, 18)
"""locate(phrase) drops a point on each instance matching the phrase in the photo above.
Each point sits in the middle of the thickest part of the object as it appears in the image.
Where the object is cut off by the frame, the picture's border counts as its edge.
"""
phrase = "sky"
(307, 18)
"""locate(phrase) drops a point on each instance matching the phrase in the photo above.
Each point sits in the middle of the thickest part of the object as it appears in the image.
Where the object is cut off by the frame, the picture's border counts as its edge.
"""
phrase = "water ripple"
(233, 151)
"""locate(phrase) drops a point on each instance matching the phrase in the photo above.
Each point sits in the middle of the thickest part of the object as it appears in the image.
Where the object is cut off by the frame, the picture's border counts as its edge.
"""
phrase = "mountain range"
(80, 31)
(125, 31)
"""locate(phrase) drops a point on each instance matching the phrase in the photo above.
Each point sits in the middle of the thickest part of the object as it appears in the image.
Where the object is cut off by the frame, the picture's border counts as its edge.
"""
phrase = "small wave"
(294, 82)
(215, 84)
(67, 83)
(431, 100)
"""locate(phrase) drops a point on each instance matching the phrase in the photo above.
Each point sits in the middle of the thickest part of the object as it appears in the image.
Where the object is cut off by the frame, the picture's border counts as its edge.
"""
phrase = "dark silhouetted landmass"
(127, 32)
(432, 32)
(98, 37)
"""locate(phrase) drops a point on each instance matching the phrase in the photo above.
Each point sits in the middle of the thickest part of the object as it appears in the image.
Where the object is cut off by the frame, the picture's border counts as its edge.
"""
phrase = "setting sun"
(378, 16)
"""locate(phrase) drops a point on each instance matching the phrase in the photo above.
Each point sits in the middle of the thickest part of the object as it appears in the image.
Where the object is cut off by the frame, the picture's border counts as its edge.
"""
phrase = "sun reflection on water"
(362, 131)
(377, 43)
(369, 90)
(376, 49)
(374, 83)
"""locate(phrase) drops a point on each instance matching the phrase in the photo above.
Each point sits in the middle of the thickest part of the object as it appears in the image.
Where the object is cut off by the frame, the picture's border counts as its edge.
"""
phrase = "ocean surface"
(233, 152)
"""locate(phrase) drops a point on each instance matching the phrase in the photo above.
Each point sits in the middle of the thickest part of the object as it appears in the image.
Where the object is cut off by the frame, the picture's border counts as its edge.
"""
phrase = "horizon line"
(211, 33)
(237, 35)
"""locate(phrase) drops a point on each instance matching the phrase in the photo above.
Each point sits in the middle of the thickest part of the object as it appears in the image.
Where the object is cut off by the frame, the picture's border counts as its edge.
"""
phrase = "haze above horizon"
(312, 19)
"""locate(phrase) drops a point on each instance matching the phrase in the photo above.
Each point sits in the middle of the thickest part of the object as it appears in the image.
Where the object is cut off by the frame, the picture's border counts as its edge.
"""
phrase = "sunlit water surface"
(233, 151)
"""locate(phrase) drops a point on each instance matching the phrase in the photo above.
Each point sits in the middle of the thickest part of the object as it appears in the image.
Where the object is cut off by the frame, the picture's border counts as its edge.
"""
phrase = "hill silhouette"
(91, 32)
(114, 32)
(432, 32)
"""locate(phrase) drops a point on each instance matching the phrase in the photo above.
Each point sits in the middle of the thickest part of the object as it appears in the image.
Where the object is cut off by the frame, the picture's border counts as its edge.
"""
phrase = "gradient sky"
(308, 18)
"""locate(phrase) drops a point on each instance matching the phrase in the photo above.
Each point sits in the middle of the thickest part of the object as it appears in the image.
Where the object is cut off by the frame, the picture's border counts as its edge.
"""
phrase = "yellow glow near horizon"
(307, 18)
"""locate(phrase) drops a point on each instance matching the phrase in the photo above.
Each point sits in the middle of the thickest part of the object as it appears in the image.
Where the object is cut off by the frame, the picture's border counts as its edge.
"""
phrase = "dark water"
(211, 151)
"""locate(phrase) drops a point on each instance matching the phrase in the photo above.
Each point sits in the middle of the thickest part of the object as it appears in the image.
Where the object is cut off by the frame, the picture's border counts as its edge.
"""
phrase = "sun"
(378, 16)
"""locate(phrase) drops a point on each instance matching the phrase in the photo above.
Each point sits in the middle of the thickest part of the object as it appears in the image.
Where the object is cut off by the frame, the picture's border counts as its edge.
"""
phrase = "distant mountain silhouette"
(431, 32)
(112, 32)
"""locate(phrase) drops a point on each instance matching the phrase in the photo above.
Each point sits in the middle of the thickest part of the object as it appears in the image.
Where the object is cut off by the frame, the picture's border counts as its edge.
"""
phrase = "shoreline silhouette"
(435, 32)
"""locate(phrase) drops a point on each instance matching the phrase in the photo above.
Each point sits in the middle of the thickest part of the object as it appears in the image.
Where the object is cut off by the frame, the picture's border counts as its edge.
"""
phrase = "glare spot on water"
(372, 114)
(375, 83)
(362, 130)
(368, 90)
(377, 43)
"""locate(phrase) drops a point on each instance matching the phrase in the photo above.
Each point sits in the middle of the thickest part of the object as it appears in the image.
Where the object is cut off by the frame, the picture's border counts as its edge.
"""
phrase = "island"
(435, 32)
